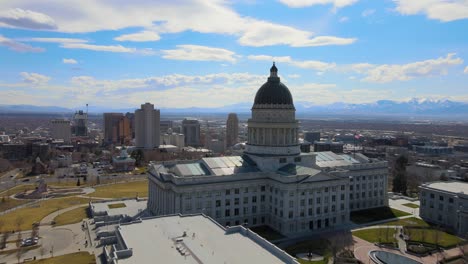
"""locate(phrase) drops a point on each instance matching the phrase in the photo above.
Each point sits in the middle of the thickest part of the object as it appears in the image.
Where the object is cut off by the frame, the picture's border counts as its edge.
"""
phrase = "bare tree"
(19, 249)
(436, 236)
(19, 253)
(42, 251)
(18, 222)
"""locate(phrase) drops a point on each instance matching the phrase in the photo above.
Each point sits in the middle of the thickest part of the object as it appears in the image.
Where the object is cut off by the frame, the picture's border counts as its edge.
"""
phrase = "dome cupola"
(273, 92)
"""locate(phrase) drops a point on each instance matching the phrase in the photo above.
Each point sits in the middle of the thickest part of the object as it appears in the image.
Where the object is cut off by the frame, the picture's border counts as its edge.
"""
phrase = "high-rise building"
(111, 127)
(191, 130)
(131, 119)
(311, 137)
(80, 127)
(232, 130)
(61, 129)
(147, 127)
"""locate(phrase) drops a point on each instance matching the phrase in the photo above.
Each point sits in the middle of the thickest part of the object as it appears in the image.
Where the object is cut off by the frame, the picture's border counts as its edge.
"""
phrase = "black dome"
(273, 91)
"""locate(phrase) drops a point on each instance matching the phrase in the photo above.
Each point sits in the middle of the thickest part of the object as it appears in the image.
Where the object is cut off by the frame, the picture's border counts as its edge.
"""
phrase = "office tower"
(80, 120)
(111, 127)
(232, 130)
(131, 119)
(147, 127)
(191, 129)
(61, 129)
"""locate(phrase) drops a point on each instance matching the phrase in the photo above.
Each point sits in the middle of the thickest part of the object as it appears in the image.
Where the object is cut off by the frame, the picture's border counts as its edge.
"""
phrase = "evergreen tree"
(399, 175)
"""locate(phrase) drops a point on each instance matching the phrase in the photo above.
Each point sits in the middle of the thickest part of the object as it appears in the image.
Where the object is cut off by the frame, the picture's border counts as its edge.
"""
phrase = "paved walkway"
(362, 249)
(55, 241)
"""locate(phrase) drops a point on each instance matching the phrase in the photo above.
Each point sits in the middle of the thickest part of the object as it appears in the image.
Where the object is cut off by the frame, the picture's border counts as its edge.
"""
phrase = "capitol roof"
(273, 92)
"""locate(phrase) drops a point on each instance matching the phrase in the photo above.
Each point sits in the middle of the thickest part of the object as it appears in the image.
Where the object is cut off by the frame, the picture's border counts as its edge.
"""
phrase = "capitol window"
(282, 160)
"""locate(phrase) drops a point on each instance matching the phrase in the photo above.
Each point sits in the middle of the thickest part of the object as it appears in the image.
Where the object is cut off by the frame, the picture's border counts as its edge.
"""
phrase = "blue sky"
(211, 53)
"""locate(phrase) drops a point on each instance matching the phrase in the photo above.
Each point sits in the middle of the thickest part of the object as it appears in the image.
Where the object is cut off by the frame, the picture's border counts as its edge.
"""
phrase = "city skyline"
(327, 51)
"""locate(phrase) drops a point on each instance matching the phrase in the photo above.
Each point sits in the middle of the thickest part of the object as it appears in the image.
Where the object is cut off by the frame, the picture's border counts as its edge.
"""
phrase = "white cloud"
(343, 19)
(466, 70)
(69, 61)
(262, 34)
(18, 46)
(368, 12)
(28, 19)
(373, 72)
(395, 72)
(107, 48)
(443, 10)
(305, 3)
(203, 16)
(34, 78)
(55, 40)
(294, 76)
(306, 64)
(199, 53)
(139, 36)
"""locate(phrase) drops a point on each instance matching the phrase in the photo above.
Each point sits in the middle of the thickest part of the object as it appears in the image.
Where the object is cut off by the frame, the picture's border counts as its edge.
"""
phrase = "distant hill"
(413, 107)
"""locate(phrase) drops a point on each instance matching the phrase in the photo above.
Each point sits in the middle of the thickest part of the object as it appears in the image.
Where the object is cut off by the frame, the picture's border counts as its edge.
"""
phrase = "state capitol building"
(272, 183)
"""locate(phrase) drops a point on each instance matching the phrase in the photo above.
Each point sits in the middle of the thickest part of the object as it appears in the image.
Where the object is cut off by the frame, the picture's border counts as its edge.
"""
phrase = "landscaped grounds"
(432, 236)
(412, 221)
(376, 214)
(25, 217)
(122, 190)
(411, 205)
(72, 216)
(74, 258)
(377, 235)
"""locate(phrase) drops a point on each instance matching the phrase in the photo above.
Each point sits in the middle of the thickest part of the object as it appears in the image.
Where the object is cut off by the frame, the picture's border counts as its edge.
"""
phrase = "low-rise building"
(445, 204)
(123, 162)
(189, 239)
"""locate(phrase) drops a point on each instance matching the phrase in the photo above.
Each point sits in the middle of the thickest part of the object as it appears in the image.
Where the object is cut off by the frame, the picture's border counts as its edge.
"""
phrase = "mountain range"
(413, 107)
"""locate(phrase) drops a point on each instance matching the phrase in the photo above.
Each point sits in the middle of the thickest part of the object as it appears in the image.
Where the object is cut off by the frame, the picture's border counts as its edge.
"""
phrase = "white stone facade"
(445, 204)
(273, 183)
(290, 204)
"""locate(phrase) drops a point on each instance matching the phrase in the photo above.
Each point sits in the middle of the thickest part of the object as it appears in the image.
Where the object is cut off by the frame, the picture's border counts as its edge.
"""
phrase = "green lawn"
(8, 203)
(17, 189)
(267, 232)
(302, 261)
(317, 246)
(35, 213)
(377, 235)
(122, 190)
(411, 205)
(72, 216)
(412, 221)
(431, 236)
(376, 214)
(116, 205)
(74, 258)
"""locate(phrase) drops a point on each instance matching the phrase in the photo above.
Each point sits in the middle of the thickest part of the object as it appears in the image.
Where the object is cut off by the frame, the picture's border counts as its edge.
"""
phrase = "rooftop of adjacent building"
(130, 207)
(205, 241)
(448, 186)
